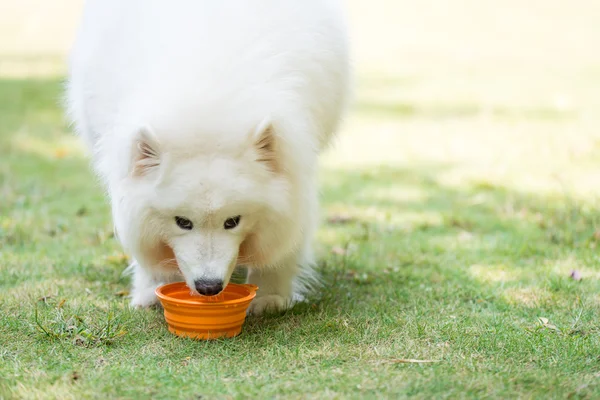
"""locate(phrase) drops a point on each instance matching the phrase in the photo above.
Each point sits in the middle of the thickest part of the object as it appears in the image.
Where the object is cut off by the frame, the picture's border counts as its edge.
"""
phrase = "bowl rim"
(250, 287)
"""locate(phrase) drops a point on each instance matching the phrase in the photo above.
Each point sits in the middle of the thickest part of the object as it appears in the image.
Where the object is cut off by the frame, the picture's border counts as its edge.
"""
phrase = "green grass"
(460, 273)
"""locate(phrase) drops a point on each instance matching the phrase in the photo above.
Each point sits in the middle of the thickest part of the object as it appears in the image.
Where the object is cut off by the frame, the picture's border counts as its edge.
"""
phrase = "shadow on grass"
(486, 249)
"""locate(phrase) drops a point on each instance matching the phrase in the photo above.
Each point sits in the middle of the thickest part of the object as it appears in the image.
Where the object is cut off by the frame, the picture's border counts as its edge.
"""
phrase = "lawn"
(460, 227)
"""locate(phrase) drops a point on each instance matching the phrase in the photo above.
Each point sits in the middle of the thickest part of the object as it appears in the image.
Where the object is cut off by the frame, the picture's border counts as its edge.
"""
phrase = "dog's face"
(205, 206)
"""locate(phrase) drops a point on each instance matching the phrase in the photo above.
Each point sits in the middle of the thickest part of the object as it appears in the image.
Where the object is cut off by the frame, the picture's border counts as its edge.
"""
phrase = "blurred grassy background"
(484, 83)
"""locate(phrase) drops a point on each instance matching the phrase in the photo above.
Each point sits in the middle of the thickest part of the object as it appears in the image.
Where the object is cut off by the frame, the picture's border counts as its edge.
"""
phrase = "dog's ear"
(146, 153)
(265, 144)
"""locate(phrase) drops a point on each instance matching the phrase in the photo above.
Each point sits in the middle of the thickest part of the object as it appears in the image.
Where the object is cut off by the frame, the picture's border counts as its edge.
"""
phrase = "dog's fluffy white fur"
(207, 110)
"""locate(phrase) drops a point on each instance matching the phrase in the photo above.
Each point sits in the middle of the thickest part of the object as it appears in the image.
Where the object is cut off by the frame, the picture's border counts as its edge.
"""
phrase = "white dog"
(205, 120)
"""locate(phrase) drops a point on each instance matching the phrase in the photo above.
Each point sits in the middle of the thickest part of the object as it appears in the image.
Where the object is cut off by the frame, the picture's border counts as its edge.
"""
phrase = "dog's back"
(132, 58)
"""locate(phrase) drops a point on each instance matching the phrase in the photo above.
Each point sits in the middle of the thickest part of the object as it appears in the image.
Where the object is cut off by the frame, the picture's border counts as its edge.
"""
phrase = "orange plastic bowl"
(205, 317)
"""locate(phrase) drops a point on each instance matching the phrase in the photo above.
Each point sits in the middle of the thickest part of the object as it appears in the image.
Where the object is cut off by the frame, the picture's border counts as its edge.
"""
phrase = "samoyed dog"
(205, 120)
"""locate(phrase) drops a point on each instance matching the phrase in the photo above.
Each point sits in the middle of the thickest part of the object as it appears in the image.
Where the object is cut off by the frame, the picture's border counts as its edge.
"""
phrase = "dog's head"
(204, 204)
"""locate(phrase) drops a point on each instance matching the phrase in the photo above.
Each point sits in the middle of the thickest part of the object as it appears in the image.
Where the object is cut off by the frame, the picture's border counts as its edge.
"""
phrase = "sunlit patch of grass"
(64, 146)
(531, 297)
(395, 193)
(494, 273)
(452, 111)
(31, 67)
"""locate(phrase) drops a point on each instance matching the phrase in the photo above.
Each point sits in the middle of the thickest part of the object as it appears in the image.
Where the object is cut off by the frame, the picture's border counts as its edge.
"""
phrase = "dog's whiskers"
(169, 262)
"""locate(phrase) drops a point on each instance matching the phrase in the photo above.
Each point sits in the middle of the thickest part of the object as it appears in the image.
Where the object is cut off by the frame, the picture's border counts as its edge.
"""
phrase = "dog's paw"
(143, 299)
(270, 303)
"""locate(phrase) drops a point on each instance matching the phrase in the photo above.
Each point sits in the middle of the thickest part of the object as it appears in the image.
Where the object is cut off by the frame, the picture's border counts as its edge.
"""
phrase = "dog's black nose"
(208, 287)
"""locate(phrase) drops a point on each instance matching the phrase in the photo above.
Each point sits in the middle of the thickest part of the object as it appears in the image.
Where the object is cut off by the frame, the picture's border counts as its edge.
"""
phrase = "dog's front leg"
(144, 283)
(275, 285)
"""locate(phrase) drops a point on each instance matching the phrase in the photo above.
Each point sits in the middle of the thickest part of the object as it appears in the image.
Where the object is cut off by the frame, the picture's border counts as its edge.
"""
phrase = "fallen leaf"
(550, 326)
(122, 293)
(545, 323)
(411, 361)
(62, 303)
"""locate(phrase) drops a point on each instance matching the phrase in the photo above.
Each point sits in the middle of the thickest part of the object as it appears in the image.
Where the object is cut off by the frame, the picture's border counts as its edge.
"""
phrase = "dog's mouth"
(208, 286)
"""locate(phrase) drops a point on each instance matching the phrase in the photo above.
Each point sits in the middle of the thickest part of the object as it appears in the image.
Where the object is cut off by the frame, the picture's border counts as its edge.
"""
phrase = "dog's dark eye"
(232, 222)
(184, 223)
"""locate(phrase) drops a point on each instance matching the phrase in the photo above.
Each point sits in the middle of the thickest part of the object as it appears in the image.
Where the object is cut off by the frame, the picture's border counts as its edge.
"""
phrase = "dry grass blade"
(412, 361)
